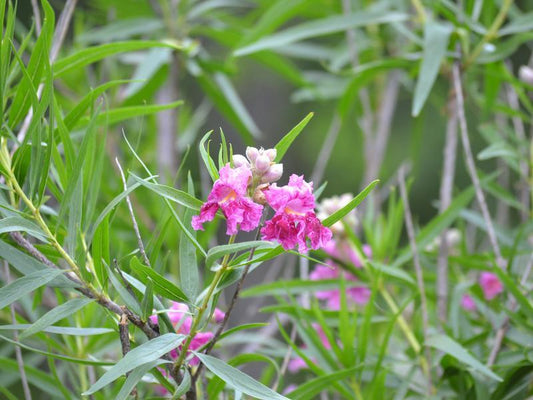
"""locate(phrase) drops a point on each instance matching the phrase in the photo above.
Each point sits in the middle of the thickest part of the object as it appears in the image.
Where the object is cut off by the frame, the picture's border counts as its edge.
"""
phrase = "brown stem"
(458, 87)
(446, 187)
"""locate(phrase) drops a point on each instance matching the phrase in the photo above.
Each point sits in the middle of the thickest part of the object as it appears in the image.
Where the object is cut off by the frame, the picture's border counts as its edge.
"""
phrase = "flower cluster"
(340, 249)
(242, 191)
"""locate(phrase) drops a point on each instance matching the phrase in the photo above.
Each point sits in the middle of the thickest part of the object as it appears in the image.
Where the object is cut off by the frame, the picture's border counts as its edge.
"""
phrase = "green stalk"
(491, 33)
(202, 308)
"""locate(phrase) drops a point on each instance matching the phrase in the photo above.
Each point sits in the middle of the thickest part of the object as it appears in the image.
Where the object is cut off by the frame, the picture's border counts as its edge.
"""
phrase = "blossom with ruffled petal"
(491, 285)
(295, 220)
(229, 194)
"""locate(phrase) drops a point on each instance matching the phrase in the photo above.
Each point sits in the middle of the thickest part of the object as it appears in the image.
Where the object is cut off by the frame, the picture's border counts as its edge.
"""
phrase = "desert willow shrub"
(109, 285)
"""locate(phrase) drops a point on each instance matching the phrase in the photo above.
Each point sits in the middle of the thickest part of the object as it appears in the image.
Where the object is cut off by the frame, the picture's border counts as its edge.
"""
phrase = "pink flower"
(344, 252)
(229, 194)
(295, 220)
(467, 302)
(490, 284)
(296, 364)
(218, 315)
(181, 320)
(357, 295)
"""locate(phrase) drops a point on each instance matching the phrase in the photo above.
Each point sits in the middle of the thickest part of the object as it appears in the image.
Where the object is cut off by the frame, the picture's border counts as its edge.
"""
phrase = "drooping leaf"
(143, 354)
(237, 379)
(436, 36)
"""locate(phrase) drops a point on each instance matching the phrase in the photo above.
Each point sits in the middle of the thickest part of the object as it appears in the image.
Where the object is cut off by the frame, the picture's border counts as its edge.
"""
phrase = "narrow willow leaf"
(82, 361)
(220, 251)
(61, 330)
(339, 214)
(295, 286)
(143, 354)
(321, 27)
(27, 265)
(237, 379)
(56, 314)
(184, 386)
(188, 262)
(110, 207)
(206, 157)
(175, 195)
(509, 282)
(120, 29)
(436, 37)
(23, 286)
(239, 328)
(283, 145)
(90, 55)
(313, 387)
(19, 224)
(126, 295)
(135, 376)
(449, 346)
(147, 304)
(161, 285)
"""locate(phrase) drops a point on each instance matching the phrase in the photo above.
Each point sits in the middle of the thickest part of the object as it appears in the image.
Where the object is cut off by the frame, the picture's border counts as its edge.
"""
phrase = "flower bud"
(262, 163)
(252, 153)
(259, 195)
(239, 161)
(273, 174)
(271, 154)
(526, 74)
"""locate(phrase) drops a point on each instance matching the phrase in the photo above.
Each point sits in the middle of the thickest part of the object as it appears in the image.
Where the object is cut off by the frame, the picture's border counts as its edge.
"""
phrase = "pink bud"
(262, 163)
(273, 174)
(239, 161)
(271, 154)
(467, 303)
(218, 315)
(252, 153)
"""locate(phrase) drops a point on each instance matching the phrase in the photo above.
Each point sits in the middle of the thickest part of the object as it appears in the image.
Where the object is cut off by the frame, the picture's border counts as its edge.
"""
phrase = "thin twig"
(326, 149)
(18, 352)
(472, 167)
(37, 16)
(502, 331)
(418, 269)
(132, 215)
(375, 157)
(446, 187)
(286, 360)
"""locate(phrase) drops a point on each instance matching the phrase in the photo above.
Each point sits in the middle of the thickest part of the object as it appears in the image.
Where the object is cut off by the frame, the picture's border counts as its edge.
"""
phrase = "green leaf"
(220, 251)
(120, 29)
(19, 224)
(123, 113)
(56, 314)
(161, 285)
(237, 379)
(321, 27)
(339, 214)
(283, 145)
(436, 37)
(61, 330)
(90, 55)
(147, 304)
(509, 282)
(27, 265)
(175, 195)
(449, 346)
(235, 329)
(188, 262)
(206, 157)
(295, 286)
(22, 286)
(143, 354)
(135, 376)
(313, 387)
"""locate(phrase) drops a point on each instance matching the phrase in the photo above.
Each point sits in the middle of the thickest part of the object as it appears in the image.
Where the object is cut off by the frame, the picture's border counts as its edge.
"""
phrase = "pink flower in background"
(343, 251)
(298, 363)
(229, 194)
(295, 220)
(181, 319)
(467, 302)
(490, 284)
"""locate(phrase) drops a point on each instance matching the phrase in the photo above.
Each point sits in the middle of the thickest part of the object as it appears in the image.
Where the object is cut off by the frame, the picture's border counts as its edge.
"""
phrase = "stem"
(201, 310)
(417, 4)
(491, 33)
